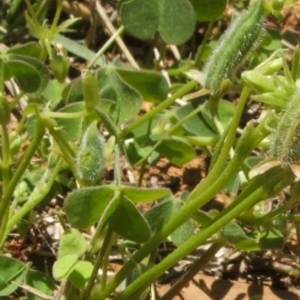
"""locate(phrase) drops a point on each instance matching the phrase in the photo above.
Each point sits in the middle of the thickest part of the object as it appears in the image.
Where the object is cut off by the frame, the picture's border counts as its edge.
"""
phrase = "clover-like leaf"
(30, 73)
(72, 128)
(81, 273)
(174, 19)
(64, 265)
(72, 242)
(117, 98)
(176, 150)
(144, 81)
(225, 112)
(31, 49)
(144, 194)
(128, 221)
(85, 206)
(235, 235)
(161, 213)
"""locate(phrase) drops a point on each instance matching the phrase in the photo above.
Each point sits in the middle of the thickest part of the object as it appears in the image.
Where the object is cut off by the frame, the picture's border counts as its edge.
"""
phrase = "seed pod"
(90, 89)
(4, 110)
(242, 36)
(285, 145)
(90, 157)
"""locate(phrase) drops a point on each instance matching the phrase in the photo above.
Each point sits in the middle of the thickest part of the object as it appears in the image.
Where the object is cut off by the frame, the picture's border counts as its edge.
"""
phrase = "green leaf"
(63, 266)
(144, 81)
(128, 222)
(144, 194)
(271, 240)
(173, 19)
(159, 214)
(235, 235)
(176, 150)
(72, 128)
(31, 74)
(73, 92)
(72, 242)
(53, 92)
(31, 49)
(117, 96)
(11, 273)
(196, 124)
(225, 112)
(84, 207)
(208, 10)
(40, 282)
(81, 273)
(78, 49)
(183, 232)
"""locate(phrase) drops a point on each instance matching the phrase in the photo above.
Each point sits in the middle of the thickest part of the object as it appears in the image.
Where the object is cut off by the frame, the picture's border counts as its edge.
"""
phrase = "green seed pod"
(4, 111)
(242, 36)
(90, 156)
(90, 89)
(285, 145)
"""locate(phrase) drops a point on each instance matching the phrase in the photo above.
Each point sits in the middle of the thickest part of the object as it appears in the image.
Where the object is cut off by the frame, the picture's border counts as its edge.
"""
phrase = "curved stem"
(229, 141)
(108, 43)
(38, 194)
(272, 184)
(201, 195)
(18, 174)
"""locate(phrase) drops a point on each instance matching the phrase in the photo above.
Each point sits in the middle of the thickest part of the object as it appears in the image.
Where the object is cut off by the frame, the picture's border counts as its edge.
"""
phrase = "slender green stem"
(20, 171)
(159, 108)
(15, 5)
(5, 158)
(183, 215)
(186, 118)
(64, 145)
(5, 174)
(296, 63)
(105, 262)
(36, 24)
(53, 28)
(109, 42)
(223, 156)
(69, 115)
(108, 241)
(38, 194)
(1, 76)
(271, 185)
(16, 100)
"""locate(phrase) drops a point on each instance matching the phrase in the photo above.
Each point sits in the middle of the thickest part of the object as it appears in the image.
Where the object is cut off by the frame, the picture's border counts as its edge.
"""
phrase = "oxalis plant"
(75, 128)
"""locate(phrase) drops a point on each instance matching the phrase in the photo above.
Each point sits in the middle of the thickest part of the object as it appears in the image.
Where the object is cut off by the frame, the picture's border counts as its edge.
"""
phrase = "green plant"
(75, 128)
